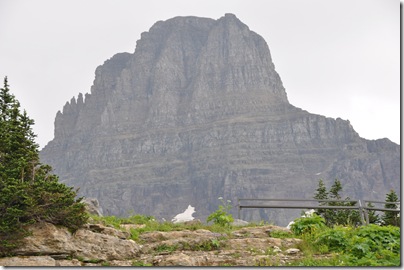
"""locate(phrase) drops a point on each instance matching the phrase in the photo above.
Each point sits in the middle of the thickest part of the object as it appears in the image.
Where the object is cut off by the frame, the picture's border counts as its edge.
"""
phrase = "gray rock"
(198, 111)
(93, 206)
(47, 239)
(239, 222)
(291, 251)
(27, 261)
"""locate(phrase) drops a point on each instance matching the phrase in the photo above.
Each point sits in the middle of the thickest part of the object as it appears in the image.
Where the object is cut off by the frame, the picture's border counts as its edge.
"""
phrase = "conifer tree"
(337, 216)
(322, 194)
(29, 192)
(390, 217)
(372, 216)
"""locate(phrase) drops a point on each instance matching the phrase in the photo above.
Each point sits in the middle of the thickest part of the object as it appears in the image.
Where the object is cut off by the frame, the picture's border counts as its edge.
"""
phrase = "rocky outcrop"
(103, 244)
(198, 112)
(97, 245)
(92, 206)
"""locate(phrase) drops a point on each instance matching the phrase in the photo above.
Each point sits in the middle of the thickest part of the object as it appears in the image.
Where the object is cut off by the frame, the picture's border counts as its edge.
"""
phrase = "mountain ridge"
(198, 112)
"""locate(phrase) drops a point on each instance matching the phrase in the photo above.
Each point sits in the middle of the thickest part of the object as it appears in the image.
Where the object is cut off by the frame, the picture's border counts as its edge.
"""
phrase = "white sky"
(335, 58)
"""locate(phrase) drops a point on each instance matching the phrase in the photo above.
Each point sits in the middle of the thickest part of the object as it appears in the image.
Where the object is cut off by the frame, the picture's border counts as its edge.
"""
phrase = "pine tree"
(29, 192)
(335, 189)
(322, 194)
(389, 217)
(372, 216)
(337, 216)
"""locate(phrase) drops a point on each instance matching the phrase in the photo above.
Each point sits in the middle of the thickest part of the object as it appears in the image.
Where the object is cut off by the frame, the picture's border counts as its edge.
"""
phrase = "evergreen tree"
(372, 216)
(29, 193)
(335, 189)
(322, 194)
(337, 216)
(321, 191)
(389, 217)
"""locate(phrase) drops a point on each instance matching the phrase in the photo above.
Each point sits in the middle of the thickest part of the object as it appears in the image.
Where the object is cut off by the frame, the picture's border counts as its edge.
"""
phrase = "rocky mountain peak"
(198, 112)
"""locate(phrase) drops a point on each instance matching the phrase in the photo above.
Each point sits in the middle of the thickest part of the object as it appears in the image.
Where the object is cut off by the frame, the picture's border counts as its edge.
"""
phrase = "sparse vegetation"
(221, 216)
(321, 245)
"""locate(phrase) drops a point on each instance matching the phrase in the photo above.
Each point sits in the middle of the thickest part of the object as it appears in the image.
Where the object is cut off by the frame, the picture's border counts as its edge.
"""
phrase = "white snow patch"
(186, 216)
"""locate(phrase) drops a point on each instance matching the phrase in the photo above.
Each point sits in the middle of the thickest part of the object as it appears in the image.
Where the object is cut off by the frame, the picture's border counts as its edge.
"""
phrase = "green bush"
(336, 239)
(370, 245)
(307, 225)
(221, 216)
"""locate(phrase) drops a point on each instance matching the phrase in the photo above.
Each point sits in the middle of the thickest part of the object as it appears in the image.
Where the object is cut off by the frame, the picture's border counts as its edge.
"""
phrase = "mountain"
(198, 112)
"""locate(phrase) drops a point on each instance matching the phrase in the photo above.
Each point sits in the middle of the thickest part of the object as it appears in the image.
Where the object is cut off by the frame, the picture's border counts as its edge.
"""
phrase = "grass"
(164, 248)
(152, 225)
(280, 234)
(370, 245)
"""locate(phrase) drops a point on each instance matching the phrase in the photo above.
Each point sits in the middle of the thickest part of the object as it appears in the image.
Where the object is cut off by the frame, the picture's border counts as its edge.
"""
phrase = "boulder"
(239, 223)
(28, 261)
(48, 239)
(93, 206)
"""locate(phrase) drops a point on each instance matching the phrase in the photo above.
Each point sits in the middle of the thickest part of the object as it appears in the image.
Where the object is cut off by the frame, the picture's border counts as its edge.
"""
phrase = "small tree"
(322, 194)
(390, 217)
(337, 216)
(373, 217)
(335, 189)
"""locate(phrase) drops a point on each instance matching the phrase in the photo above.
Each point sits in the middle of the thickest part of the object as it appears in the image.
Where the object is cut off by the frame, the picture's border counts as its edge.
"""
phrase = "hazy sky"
(335, 58)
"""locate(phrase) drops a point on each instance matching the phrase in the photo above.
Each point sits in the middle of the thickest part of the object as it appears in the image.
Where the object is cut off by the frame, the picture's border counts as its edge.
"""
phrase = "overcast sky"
(335, 58)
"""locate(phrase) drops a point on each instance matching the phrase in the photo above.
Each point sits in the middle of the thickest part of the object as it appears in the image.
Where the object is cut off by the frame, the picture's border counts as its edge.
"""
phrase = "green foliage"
(307, 225)
(280, 234)
(336, 216)
(29, 193)
(208, 245)
(373, 217)
(140, 263)
(164, 248)
(334, 239)
(370, 245)
(312, 261)
(389, 217)
(222, 216)
(321, 245)
(116, 222)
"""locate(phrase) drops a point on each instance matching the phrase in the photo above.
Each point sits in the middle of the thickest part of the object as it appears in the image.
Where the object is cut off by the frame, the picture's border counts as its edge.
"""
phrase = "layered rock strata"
(198, 112)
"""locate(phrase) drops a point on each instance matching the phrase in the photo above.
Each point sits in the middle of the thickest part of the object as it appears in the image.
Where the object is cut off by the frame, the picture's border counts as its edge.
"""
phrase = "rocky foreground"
(99, 245)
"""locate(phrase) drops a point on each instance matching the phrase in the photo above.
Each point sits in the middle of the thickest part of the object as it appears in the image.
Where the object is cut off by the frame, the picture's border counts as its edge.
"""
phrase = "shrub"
(307, 225)
(370, 245)
(334, 239)
(221, 216)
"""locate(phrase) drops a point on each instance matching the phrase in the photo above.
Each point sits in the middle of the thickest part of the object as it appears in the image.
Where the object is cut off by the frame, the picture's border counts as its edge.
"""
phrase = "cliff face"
(198, 112)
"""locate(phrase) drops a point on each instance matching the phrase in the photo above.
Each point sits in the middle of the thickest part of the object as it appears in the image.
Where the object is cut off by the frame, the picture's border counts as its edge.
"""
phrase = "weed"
(313, 261)
(280, 234)
(268, 261)
(140, 263)
(164, 248)
(221, 216)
